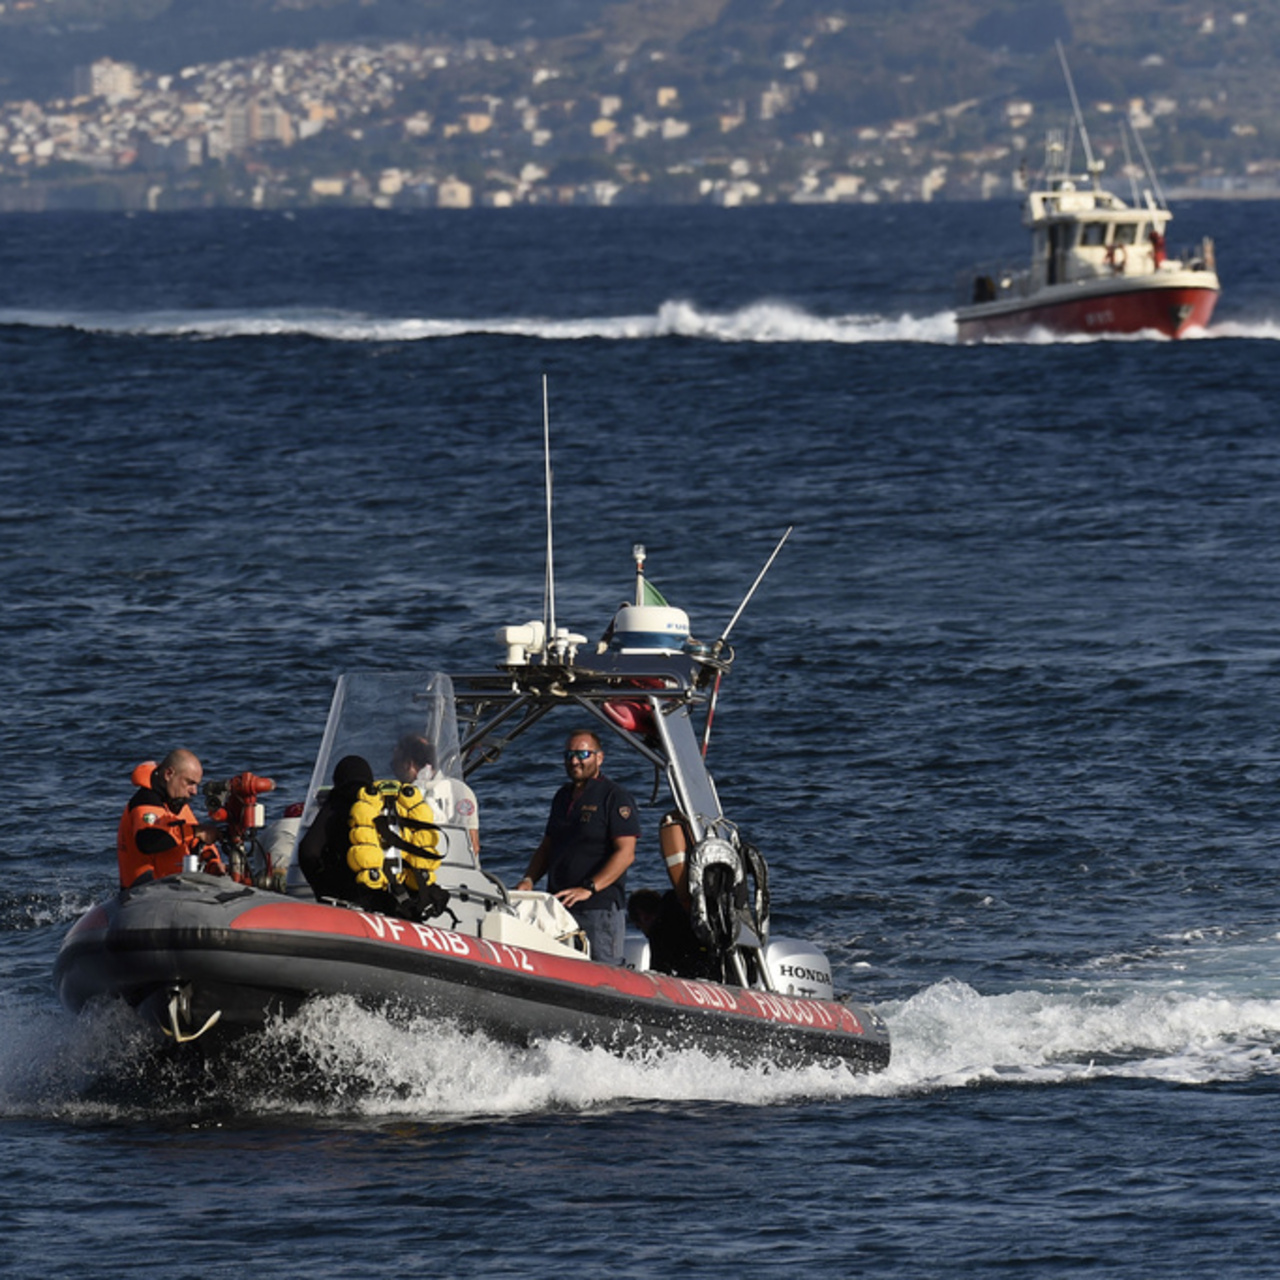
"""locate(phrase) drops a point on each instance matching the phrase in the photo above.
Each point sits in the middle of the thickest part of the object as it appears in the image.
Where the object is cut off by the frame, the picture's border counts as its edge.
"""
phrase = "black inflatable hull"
(243, 954)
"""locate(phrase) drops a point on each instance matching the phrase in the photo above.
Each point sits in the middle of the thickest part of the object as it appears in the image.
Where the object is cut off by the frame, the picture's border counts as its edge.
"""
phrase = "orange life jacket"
(166, 835)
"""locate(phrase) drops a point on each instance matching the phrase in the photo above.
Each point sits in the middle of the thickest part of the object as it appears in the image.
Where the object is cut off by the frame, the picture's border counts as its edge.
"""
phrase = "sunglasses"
(581, 754)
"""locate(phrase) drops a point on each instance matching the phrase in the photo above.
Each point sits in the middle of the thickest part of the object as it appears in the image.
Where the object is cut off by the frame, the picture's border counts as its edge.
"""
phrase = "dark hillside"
(883, 57)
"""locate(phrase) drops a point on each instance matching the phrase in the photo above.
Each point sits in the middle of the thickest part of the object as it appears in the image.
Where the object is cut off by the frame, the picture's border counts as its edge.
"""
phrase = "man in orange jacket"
(157, 829)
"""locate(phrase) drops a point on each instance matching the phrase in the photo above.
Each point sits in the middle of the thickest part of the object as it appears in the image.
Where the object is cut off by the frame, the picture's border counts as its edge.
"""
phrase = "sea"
(1002, 718)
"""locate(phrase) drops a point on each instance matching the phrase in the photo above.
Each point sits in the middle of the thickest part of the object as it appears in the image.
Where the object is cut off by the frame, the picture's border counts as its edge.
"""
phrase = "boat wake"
(337, 1060)
(763, 322)
(950, 1036)
(1191, 1009)
(760, 322)
(1263, 330)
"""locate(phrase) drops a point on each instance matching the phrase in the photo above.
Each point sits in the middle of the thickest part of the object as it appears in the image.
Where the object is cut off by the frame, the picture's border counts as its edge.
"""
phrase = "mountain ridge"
(738, 100)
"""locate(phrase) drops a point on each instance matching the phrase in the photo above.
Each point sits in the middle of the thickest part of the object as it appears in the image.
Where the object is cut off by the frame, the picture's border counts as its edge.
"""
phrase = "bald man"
(158, 828)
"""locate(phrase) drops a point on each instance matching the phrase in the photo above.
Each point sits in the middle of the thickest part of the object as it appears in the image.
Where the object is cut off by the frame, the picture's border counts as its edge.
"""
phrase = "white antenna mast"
(1134, 194)
(1147, 165)
(549, 592)
(724, 635)
(1094, 168)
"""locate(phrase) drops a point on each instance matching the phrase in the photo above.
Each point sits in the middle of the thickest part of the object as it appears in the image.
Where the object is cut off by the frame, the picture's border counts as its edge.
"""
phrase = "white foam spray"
(1204, 1022)
(760, 322)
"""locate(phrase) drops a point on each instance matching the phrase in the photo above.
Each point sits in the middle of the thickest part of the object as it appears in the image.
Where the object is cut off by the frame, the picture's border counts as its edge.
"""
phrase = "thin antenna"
(1075, 107)
(549, 590)
(1147, 165)
(1134, 194)
(724, 635)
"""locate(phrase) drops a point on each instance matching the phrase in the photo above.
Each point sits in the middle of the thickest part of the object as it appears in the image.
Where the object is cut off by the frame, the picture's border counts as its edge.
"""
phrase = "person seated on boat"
(589, 843)
(327, 856)
(158, 829)
(673, 946)
(674, 844)
(452, 801)
(1157, 247)
(368, 847)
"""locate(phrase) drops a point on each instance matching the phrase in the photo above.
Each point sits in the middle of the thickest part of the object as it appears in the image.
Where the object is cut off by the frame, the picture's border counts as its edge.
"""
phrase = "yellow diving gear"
(420, 840)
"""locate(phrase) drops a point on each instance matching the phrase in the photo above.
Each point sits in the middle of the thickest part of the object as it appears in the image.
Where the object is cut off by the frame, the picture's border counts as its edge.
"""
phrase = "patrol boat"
(1098, 265)
(205, 955)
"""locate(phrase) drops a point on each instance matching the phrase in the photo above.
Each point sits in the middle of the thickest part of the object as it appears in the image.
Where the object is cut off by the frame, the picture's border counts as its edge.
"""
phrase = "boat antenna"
(724, 635)
(1093, 166)
(549, 588)
(1147, 165)
(1134, 193)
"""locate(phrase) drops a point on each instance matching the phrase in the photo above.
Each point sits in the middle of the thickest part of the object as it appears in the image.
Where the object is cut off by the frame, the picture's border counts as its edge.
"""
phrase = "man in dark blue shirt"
(589, 843)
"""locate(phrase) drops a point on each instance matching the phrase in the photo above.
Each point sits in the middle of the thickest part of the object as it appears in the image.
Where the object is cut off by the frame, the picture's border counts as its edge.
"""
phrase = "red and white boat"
(1098, 265)
(198, 954)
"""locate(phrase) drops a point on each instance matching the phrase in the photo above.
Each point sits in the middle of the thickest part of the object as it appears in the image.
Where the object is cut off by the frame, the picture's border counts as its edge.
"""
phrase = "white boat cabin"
(1091, 234)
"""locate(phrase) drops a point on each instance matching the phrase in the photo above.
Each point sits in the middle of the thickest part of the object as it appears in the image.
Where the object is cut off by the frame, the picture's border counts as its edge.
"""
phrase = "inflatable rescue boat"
(201, 954)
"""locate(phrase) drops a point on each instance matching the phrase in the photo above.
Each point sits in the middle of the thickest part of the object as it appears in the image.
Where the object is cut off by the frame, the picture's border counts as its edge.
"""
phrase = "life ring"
(1116, 257)
(631, 714)
(635, 717)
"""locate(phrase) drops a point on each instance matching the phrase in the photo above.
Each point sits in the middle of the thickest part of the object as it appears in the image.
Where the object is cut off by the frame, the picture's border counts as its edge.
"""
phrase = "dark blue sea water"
(1003, 720)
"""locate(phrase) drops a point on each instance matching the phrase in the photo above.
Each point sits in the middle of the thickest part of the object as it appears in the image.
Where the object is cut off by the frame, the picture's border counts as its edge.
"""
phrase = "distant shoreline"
(1194, 193)
(135, 194)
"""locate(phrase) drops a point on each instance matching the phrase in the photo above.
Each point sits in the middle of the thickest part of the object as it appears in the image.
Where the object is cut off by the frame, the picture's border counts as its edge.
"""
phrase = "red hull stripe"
(309, 918)
(1168, 311)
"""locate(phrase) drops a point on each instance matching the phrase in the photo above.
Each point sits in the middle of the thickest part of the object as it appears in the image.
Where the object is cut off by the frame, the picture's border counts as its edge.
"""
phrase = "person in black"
(589, 843)
(322, 852)
(673, 946)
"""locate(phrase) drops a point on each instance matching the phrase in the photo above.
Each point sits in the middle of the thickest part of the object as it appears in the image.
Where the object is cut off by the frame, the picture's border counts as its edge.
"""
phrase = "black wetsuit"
(322, 855)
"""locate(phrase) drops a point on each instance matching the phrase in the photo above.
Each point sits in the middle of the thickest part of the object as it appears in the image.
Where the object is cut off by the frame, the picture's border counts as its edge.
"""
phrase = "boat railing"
(1194, 257)
(1199, 257)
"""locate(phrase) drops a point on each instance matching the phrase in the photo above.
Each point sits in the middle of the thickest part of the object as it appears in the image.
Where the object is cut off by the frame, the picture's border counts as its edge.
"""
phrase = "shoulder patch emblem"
(625, 811)
(466, 808)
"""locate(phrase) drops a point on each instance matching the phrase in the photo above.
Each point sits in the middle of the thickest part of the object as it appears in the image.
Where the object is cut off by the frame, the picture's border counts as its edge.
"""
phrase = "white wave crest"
(762, 322)
(949, 1036)
(759, 322)
(338, 1059)
(1192, 1009)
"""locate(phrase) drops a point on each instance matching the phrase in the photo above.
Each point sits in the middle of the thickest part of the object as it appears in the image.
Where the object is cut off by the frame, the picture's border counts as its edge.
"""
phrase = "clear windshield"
(394, 721)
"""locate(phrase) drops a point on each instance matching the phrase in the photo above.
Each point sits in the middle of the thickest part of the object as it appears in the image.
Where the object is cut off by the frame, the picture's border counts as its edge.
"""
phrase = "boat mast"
(1150, 170)
(1134, 194)
(549, 588)
(1094, 167)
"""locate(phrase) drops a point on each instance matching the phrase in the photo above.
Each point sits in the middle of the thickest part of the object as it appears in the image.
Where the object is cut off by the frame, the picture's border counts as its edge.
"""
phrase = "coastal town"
(462, 124)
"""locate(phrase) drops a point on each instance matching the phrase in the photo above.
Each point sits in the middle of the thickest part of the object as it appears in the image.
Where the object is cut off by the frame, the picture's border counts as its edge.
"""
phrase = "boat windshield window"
(1125, 233)
(375, 711)
(1093, 233)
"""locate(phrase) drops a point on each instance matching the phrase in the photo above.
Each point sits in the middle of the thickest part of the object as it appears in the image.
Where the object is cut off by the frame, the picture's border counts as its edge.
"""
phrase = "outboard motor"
(798, 968)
